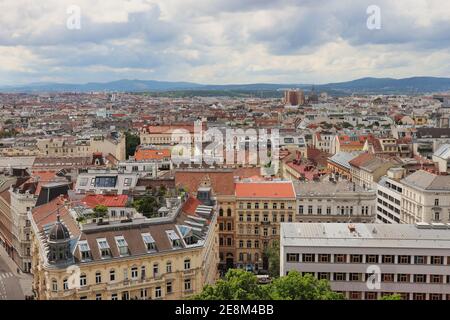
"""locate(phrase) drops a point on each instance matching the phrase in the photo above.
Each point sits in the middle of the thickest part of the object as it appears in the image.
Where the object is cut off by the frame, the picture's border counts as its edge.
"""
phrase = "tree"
(273, 254)
(391, 297)
(237, 285)
(147, 205)
(297, 287)
(131, 143)
(100, 211)
(242, 285)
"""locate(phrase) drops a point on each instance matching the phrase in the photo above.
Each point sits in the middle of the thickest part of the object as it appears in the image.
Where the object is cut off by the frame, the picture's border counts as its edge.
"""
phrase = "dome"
(59, 232)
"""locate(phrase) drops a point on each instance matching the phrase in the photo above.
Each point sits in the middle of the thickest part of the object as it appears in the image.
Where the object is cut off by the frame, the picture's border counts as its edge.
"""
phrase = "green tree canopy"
(242, 285)
(273, 254)
(294, 286)
(391, 297)
(147, 205)
(100, 211)
(131, 143)
(237, 285)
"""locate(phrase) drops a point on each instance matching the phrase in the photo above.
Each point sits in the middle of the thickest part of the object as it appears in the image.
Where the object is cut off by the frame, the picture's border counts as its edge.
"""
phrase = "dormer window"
(174, 239)
(149, 242)
(122, 245)
(104, 248)
(85, 251)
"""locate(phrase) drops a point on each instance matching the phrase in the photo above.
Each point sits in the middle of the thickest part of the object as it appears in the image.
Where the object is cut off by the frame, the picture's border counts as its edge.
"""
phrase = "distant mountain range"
(414, 85)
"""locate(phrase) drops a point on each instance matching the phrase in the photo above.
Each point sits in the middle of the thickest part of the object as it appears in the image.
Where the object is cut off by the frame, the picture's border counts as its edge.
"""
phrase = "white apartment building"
(425, 198)
(334, 201)
(389, 196)
(149, 168)
(368, 261)
(106, 181)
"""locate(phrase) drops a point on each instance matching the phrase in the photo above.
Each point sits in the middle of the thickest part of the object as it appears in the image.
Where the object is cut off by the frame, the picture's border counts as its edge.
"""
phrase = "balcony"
(188, 273)
(265, 222)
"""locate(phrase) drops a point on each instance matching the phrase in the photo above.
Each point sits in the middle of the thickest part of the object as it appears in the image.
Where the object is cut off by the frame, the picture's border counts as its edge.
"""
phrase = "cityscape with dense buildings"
(286, 150)
(94, 206)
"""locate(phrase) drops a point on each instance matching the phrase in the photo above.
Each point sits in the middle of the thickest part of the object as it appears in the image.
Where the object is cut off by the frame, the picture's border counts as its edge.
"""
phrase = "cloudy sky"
(222, 41)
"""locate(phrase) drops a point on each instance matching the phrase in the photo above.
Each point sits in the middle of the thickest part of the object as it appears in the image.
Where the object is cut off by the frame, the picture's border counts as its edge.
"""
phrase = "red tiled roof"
(264, 190)
(191, 205)
(222, 183)
(361, 159)
(94, 200)
(151, 154)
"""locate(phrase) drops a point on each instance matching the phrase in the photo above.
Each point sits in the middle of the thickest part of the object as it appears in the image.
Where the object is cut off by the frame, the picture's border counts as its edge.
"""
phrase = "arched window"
(134, 273)
(187, 264)
(229, 212)
(221, 212)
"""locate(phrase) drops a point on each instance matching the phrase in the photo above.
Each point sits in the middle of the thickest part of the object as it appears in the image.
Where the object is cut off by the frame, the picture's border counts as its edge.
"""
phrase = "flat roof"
(372, 235)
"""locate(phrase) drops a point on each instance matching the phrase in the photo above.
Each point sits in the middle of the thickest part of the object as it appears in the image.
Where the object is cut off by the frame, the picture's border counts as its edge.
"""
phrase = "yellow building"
(170, 257)
(260, 208)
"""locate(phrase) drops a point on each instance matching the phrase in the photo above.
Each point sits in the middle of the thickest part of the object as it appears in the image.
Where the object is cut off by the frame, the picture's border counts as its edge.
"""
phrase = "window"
(266, 218)
(143, 293)
(122, 245)
(249, 205)
(98, 296)
(404, 259)
(274, 231)
(155, 269)
(387, 259)
(355, 258)
(328, 210)
(84, 249)
(241, 217)
(187, 264)
(112, 275)
(300, 209)
(372, 258)
(308, 257)
(98, 277)
(134, 273)
(127, 181)
(282, 218)
(274, 217)
(371, 295)
(310, 209)
(256, 243)
(420, 278)
(221, 212)
(419, 296)
(290, 218)
(241, 243)
(54, 285)
(339, 276)
(187, 284)
(65, 284)
(323, 275)
(355, 277)
(266, 205)
(340, 258)
(114, 296)
(249, 243)
(274, 205)
(319, 210)
(158, 292)
(436, 202)
(142, 272)
(387, 277)
(355, 295)
(169, 267)
(435, 296)
(83, 281)
(401, 277)
(436, 278)
(104, 248)
(149, 242)
(437, 260)
(324, 258)
(293, 257)
(420, 259)
(169, 287)
(229, 212)
(256, 230)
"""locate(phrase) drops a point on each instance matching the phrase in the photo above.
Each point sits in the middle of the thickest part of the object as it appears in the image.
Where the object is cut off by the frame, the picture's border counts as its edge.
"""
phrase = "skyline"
(222, 42)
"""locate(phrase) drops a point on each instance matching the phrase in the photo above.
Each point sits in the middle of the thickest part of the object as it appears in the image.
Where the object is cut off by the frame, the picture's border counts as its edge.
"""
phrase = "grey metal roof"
(343, 158)
(365, 235)
(424, 180)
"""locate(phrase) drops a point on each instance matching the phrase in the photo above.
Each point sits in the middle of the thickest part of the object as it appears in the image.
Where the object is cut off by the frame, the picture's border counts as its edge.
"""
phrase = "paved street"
(13, 286)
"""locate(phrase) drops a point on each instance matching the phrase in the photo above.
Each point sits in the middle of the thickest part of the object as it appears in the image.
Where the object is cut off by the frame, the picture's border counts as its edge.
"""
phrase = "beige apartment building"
(72, 146)
(170, 257)
(260, 208)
